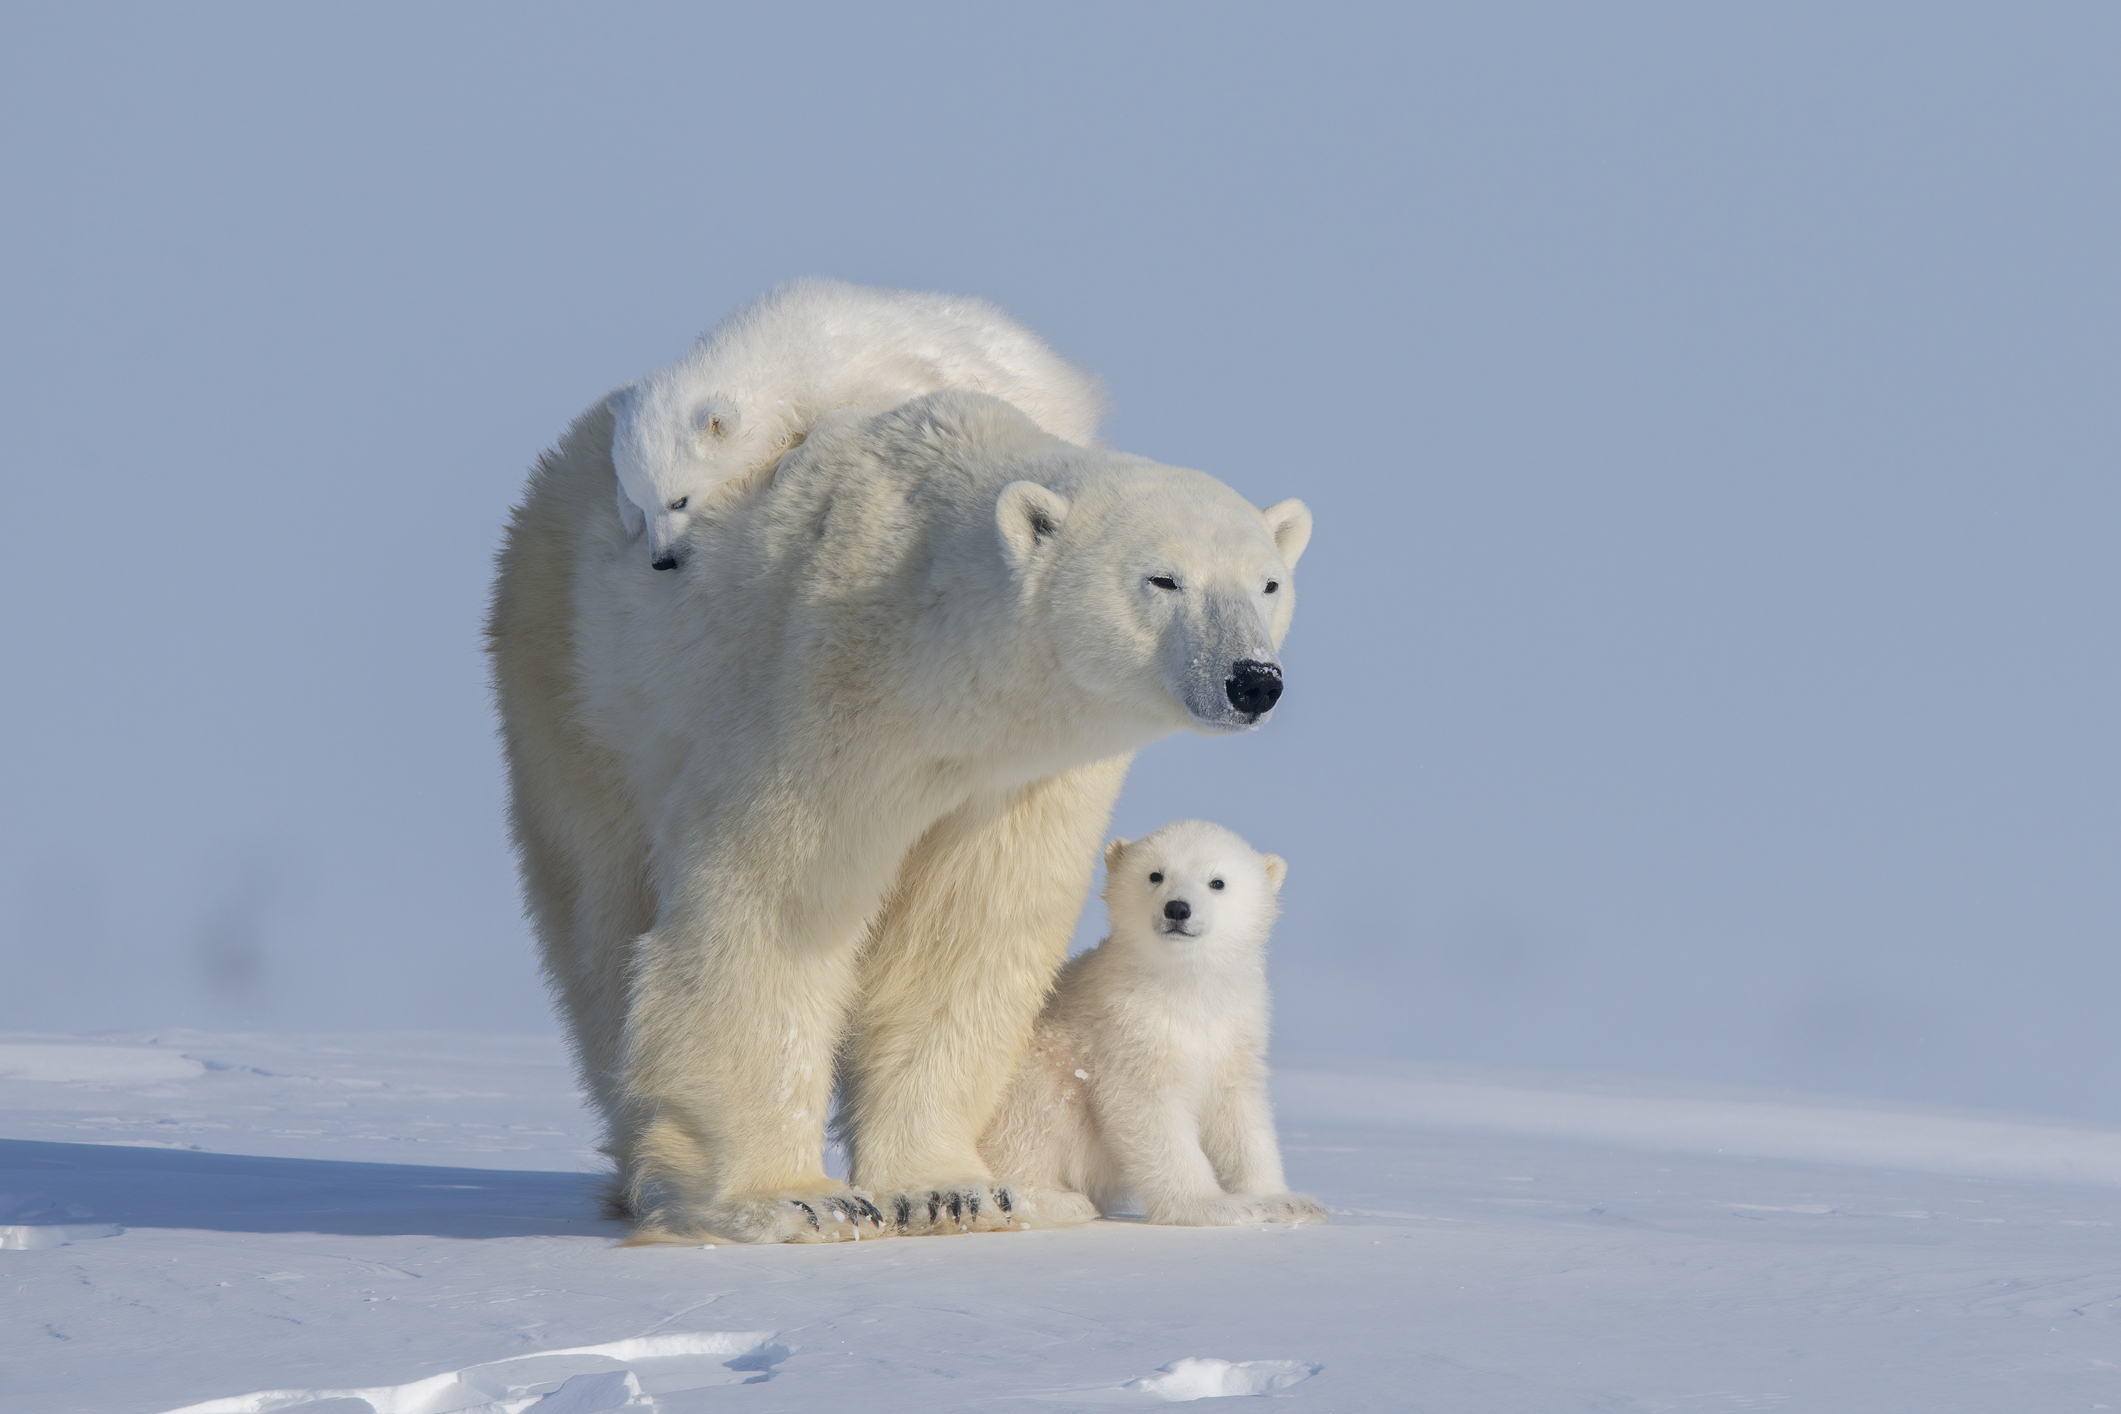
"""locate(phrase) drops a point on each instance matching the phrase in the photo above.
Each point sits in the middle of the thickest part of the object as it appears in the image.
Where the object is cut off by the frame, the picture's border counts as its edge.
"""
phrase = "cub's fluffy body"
(1145, 1076)
(691, 436)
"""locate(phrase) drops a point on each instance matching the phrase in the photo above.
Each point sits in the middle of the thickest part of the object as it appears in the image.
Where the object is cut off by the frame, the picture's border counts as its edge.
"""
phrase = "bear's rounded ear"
(716, 419)
(1289, 522)
(1027, 514)
(1113, 851)
(1277, 870)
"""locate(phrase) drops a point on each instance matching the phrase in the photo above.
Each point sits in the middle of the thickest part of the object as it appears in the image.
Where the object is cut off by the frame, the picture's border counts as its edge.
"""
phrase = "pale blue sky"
(1706, 661)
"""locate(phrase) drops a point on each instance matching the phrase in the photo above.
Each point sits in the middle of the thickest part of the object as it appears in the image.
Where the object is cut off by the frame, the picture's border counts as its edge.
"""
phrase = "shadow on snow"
(174, 1188)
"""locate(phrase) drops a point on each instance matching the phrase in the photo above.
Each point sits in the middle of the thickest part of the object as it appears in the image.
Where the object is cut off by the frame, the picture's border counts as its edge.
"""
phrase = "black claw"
(870, 1212)
(905, 1210)
(956, 1205)
(935, 1204)
(808, 1212)
(972, 1202)
(1001, 1196)
(842, 1207)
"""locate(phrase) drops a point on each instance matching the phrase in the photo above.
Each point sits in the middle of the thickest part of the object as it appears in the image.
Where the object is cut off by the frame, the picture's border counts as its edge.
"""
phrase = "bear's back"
(567, 509)
(875, 490)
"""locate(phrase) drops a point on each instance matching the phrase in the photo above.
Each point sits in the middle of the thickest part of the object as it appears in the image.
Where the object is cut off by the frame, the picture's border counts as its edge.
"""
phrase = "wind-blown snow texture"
(397, 1224)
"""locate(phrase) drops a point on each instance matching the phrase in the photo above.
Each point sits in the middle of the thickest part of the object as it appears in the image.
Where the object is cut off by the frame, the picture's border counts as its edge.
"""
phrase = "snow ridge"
(585, 1379)
(1205, 1377)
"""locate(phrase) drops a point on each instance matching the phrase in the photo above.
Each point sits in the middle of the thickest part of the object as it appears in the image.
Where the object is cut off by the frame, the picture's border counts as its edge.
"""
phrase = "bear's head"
(671, 449)
(1192, 888)
(1161, 589)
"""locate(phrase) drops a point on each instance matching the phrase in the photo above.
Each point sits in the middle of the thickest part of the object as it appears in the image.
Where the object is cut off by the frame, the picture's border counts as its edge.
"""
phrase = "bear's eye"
(1163, 581)
(679, 503)
(1272, 585)
(1215, 883)
(1157, 878)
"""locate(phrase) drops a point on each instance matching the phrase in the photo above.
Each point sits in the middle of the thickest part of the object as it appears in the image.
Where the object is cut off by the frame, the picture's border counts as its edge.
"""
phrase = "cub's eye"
(1156, 878)
(679, 503)
(1272, 585)
(1163, 581)
(1215, 883)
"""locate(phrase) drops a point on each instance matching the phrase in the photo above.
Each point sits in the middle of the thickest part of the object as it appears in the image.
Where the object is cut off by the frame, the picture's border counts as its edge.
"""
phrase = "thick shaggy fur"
(831, 793)
(1146, 1077)
(688, 437)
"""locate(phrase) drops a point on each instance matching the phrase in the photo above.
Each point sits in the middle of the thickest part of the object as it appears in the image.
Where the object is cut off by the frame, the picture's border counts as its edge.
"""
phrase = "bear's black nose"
(1178, 910)
(1254, 687)
(668, 562)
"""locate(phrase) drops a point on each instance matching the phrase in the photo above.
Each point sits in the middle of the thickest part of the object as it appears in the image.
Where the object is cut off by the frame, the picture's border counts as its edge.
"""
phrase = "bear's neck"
(995, 698)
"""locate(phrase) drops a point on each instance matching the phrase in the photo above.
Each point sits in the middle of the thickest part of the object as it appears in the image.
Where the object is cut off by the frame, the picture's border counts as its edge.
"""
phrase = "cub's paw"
(1295, 1208)
(835, 1215)
(1237, 1209)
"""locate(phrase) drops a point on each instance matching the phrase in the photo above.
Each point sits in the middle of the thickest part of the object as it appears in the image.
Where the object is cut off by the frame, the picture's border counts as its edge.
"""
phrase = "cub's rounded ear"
(620, 401)
(1113, 851)
(1027, 514)
(1277, 870)
(1289, 522)
(715, 419)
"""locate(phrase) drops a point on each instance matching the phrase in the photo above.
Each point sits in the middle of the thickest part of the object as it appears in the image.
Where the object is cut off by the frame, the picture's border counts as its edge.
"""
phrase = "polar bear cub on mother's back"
(1145, 1076)
(688, 437)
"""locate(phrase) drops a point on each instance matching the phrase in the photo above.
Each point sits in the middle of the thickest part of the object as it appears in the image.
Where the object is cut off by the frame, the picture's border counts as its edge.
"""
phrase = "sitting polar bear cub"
(721, 416)
(1145, 1075)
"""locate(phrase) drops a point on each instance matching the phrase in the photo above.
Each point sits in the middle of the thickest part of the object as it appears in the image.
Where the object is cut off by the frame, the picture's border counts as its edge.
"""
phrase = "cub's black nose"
(668, 562)
(1253, 687)
(1178, 910)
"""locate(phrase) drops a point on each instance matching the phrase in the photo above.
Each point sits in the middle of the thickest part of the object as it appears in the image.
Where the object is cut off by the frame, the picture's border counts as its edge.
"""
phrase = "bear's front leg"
(729, 1050)
(952, 979)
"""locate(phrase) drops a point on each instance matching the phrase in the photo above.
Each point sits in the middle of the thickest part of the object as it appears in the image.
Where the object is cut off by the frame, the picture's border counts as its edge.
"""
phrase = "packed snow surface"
(398, 1225)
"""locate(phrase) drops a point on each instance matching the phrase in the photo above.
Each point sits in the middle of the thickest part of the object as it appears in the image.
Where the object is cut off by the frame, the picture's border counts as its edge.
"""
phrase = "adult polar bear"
(832, 793)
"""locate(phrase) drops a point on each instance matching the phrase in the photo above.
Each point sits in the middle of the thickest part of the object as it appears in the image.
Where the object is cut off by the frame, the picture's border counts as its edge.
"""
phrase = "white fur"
(1146, 1075)
(826, 804)
(689, 435)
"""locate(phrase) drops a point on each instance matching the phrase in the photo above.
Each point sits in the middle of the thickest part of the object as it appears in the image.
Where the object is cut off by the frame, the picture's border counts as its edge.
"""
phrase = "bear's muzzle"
(1253, 687)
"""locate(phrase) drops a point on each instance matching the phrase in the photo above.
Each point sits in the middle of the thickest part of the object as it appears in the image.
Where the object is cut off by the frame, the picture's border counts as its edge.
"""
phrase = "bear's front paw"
(842, 1215)
(1031, 1206)
(1236, 1209)
(982, 1207)
(950, 1207)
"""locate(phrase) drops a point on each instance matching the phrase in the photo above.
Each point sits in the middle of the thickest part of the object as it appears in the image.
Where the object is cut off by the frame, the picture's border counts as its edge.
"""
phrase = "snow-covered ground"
(345, 1224)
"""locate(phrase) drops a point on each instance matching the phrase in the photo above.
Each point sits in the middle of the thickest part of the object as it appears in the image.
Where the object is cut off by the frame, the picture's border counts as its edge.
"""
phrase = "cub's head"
(670, 448)
(1164, 592)
(1193, 888)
